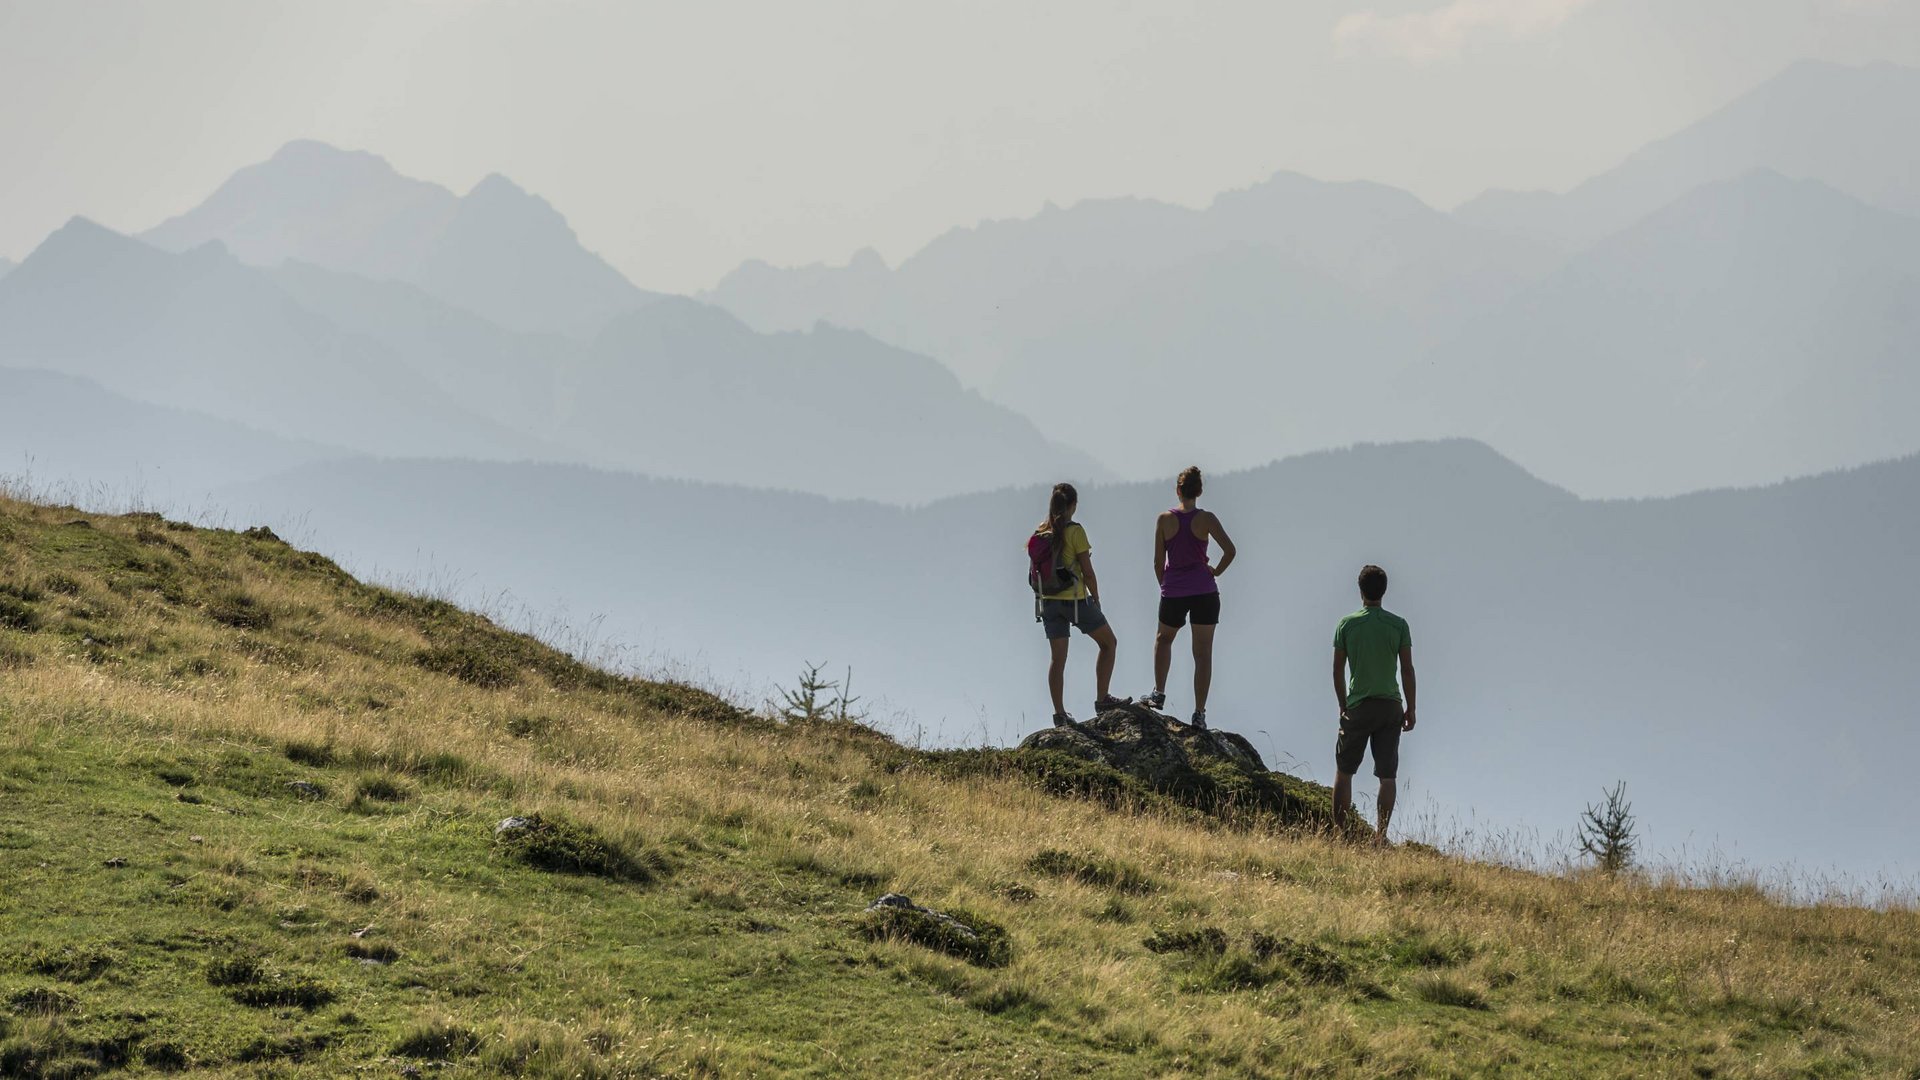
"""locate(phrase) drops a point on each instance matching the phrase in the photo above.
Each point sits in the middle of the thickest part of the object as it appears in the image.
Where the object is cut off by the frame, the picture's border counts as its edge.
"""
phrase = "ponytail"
(1063, 499)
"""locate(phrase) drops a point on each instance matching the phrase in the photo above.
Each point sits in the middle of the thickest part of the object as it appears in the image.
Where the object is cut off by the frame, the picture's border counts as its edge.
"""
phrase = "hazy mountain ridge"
(497, 251)
(949, 298)
(1592, 632)
(200, 331)
(674, 387)
(73, 435)
(1300, 314)
(1757, 329)
(1815, 120)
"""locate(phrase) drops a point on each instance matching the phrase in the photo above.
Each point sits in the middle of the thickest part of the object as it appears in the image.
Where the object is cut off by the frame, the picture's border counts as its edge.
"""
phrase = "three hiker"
(1187, 588)
(1373, 645)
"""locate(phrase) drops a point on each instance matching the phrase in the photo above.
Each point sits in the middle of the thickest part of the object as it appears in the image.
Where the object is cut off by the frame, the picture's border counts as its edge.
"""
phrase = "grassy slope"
(162, 688)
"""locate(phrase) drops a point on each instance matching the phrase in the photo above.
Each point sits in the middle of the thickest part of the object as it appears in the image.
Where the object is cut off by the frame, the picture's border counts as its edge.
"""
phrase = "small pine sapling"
(1606, 832)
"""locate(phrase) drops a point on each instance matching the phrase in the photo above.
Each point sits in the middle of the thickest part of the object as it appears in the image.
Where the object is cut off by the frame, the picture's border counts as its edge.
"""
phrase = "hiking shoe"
(1110, 702)
(1155, 700)
(1063, 719)
(1200, 719)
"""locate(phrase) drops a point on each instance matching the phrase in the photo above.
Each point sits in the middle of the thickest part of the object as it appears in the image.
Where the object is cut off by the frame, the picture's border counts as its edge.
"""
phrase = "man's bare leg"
(1386, 811)
(1057, 674)
(1342, 800)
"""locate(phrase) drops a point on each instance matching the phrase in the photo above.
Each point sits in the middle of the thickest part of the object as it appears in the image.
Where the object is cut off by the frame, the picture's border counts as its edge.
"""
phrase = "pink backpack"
(1046, 573)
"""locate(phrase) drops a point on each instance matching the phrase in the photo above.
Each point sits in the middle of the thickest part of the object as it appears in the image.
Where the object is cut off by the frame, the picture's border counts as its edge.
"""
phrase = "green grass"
(246, 829)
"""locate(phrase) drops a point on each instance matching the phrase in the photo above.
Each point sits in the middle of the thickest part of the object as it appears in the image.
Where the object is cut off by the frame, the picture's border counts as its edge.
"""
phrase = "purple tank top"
(1187, 572)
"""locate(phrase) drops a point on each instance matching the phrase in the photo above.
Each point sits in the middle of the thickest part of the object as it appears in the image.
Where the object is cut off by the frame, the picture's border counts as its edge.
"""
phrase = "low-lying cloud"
(1443, 32)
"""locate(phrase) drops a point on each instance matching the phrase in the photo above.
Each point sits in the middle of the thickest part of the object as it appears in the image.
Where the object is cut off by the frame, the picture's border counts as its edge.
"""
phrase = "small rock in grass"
(307, 789)
(196, 838)
(960, 934)
(115, 863)
(896, 900)
(512, 824)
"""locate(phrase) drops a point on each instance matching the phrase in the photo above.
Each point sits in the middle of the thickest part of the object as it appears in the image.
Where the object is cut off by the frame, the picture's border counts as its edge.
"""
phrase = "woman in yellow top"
(1077, 605)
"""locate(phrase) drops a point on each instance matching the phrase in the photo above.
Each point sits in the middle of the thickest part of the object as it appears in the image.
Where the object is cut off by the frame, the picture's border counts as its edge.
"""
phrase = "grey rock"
(307, 789)
(1207, 769)
(513, 824)
(897, 900)
(1148, 744)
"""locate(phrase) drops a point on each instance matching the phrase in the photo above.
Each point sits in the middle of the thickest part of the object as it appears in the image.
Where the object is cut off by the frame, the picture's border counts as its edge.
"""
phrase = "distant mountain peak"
(497, 185)
(83, 242)
(499, 251)
(310, 164)
(867, 260)
(498, 196)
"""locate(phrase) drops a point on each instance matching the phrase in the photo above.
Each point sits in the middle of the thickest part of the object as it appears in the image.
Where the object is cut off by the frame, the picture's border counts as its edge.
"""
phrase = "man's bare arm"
(1340, 678)
(1406, 684)
(1227, 551)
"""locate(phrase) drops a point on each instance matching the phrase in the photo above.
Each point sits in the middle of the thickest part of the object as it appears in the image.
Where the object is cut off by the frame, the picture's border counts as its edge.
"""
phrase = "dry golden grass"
(1445, 967)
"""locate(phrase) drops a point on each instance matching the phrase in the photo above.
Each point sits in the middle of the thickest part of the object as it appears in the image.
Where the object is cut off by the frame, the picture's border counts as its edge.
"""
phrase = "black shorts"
(1373, 724)
(1204, 608)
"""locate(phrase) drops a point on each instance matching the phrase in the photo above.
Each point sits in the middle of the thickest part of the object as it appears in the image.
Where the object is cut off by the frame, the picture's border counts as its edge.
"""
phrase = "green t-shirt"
(1073, 545)
(1372, 639)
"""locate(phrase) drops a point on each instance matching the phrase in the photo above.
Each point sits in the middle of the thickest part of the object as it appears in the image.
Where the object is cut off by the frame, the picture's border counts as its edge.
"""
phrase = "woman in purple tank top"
(1187, 589)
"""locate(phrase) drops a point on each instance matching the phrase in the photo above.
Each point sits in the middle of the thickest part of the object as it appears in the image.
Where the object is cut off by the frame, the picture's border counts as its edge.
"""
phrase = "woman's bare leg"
(1163, 656)
(1103, 667)
(1202, 664)
(1057, 674)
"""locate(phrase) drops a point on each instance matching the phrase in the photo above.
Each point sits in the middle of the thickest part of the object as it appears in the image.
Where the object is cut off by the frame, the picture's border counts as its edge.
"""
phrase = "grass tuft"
(437, 1040)
(1440, 988)
(570, 847)
(962, 934)
(381, 787)
(1197, 940)
(41, 1001)
(1094, 870)
(470, 664)
(319, 755)
(279, 989)
(73, 963)
(240, 611)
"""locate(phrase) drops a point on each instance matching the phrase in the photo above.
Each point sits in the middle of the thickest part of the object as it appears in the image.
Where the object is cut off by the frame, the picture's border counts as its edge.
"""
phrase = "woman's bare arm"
(1219, 534)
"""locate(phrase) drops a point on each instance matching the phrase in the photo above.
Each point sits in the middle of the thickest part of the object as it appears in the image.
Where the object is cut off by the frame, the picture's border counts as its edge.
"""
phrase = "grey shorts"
(1061, 616)
(1373, 723)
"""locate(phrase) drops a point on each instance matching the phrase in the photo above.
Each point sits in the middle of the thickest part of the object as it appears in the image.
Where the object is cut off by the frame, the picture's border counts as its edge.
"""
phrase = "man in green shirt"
(1374, 642)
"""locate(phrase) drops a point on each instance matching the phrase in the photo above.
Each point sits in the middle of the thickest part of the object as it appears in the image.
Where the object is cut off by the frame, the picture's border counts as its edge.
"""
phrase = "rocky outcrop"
(1214, 771)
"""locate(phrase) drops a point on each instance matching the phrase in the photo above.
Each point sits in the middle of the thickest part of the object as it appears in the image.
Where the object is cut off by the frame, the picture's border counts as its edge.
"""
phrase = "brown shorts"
(1374, 722)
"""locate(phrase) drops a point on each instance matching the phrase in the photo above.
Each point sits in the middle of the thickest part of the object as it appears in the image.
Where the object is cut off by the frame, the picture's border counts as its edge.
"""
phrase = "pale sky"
(682, 138)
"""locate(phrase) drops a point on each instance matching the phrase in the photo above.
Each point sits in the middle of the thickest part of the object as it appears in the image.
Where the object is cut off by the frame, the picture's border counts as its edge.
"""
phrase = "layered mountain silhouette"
(75, 439)
(1712, 650)
(1298, 314)
(6, 267)
(1757, 328)
(200, 331)
(984, 298)
(1847, 127)
(497, 251)
(672, 387)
